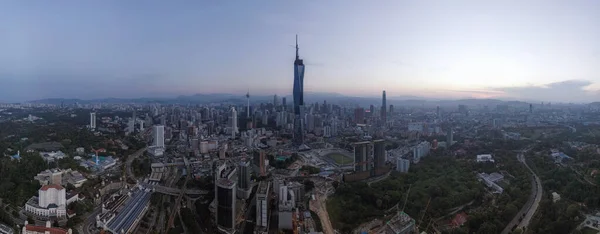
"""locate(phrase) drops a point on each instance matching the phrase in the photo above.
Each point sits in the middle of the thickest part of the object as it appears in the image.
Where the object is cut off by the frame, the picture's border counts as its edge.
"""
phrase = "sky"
(448, 49)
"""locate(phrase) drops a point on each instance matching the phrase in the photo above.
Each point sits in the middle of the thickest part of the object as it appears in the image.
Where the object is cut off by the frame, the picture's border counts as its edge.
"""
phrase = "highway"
(523, 217)
(538, 197)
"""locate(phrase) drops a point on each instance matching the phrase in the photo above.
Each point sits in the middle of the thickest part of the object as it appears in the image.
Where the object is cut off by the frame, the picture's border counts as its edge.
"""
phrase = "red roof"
(459, 220)
(54, 186)
(42, 229)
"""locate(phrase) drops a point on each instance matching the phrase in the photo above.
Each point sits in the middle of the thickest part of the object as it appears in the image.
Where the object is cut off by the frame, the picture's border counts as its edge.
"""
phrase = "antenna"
(297, 46)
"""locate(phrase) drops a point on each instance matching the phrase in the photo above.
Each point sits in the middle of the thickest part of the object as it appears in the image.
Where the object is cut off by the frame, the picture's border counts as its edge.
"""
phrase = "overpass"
(174, 191)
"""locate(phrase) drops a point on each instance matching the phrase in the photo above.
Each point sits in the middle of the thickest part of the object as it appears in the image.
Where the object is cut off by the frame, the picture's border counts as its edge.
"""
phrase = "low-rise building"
(485, 158)
(4, 229)
(48, 229)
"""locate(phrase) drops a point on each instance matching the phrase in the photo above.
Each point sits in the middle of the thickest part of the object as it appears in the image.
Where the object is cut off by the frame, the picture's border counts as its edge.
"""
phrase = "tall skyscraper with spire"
(383, 108)
(298, 94)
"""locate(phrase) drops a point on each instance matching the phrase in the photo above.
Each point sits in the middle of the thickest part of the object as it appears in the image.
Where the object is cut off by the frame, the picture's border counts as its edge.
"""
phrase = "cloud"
(563, 91)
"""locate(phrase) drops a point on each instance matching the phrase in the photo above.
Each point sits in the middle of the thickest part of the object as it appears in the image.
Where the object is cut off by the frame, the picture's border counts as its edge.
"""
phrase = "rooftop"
(42, 229)
(54, 186)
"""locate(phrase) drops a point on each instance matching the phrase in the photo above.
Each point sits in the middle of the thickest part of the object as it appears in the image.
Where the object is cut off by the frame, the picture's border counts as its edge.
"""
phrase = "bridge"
(174, 191)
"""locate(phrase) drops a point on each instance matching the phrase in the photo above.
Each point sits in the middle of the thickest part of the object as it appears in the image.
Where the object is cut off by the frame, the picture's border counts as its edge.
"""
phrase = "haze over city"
(513, 50)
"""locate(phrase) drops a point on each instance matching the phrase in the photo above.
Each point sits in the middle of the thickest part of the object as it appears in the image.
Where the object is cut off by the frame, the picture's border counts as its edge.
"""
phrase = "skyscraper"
(225, 194)
(158, 134)
(283, 102)
(262, 205)
(383, 108)
(363, 154)
(359, 115)
(275, 100)
(378, 153)
(298, 93)
(248, 106)
(93, 120)
(234, 126)
(243, 180)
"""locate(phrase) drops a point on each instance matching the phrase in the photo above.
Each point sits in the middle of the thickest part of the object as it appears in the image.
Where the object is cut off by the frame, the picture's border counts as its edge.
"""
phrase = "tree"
(572, 210)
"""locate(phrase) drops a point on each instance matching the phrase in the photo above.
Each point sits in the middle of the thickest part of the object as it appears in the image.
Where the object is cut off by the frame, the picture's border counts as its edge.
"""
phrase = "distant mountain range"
(310, 98)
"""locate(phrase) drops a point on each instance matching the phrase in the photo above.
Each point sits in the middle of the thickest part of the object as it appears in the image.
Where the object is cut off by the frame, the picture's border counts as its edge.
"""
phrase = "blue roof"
(16, 156)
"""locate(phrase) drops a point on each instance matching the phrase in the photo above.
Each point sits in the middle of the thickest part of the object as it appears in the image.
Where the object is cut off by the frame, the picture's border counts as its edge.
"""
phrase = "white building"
(52, 202)
(159, 135)
(485, 158)
(421, 150)
(415, 127)
(51, 156)
(555, 197)
(92, 120)
(402, 165)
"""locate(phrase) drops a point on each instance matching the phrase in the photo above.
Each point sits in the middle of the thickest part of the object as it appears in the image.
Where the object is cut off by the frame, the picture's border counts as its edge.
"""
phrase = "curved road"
(538, 197)
(522, 218)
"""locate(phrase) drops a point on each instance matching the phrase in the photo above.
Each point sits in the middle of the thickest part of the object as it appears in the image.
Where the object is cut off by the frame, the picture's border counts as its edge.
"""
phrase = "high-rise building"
(275, 100)
(449, 138)
(391, 109)
(363, 154)
(262, 206)
(244, 180)
(248, 105)
(530, 108)
(234, 126)
(383, 108)
(371, 110)
(262, 166)
(421, 150)
(402, 165)
(93, 120)
(298, 93)
(359, 115)
(283, 102)
(378, 153)
(225, 194)
(158, 134)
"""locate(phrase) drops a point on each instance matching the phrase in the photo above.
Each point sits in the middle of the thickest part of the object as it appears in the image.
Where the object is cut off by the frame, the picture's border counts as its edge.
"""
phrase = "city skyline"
(542, 51)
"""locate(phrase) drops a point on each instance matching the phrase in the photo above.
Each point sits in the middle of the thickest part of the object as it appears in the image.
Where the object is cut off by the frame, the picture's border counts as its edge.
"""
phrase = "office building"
(93, 120)
(383, 108)
(244, 186)
(248, 105)
(391, 109)
(225, 194)
(284, 102)
(158, 135)
(275, 100)
(234, 125)
(262, 206)
(363, 154)
(378, 153)
(298, 92)
(359, 115)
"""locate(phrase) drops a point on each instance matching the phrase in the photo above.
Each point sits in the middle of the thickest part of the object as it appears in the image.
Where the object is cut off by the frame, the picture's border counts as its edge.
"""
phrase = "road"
(90, 222)
(522, 218)
(318, 206)
(538, 197)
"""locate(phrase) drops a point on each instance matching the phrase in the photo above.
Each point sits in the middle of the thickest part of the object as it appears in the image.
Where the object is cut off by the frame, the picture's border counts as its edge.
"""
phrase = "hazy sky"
(528, 50)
